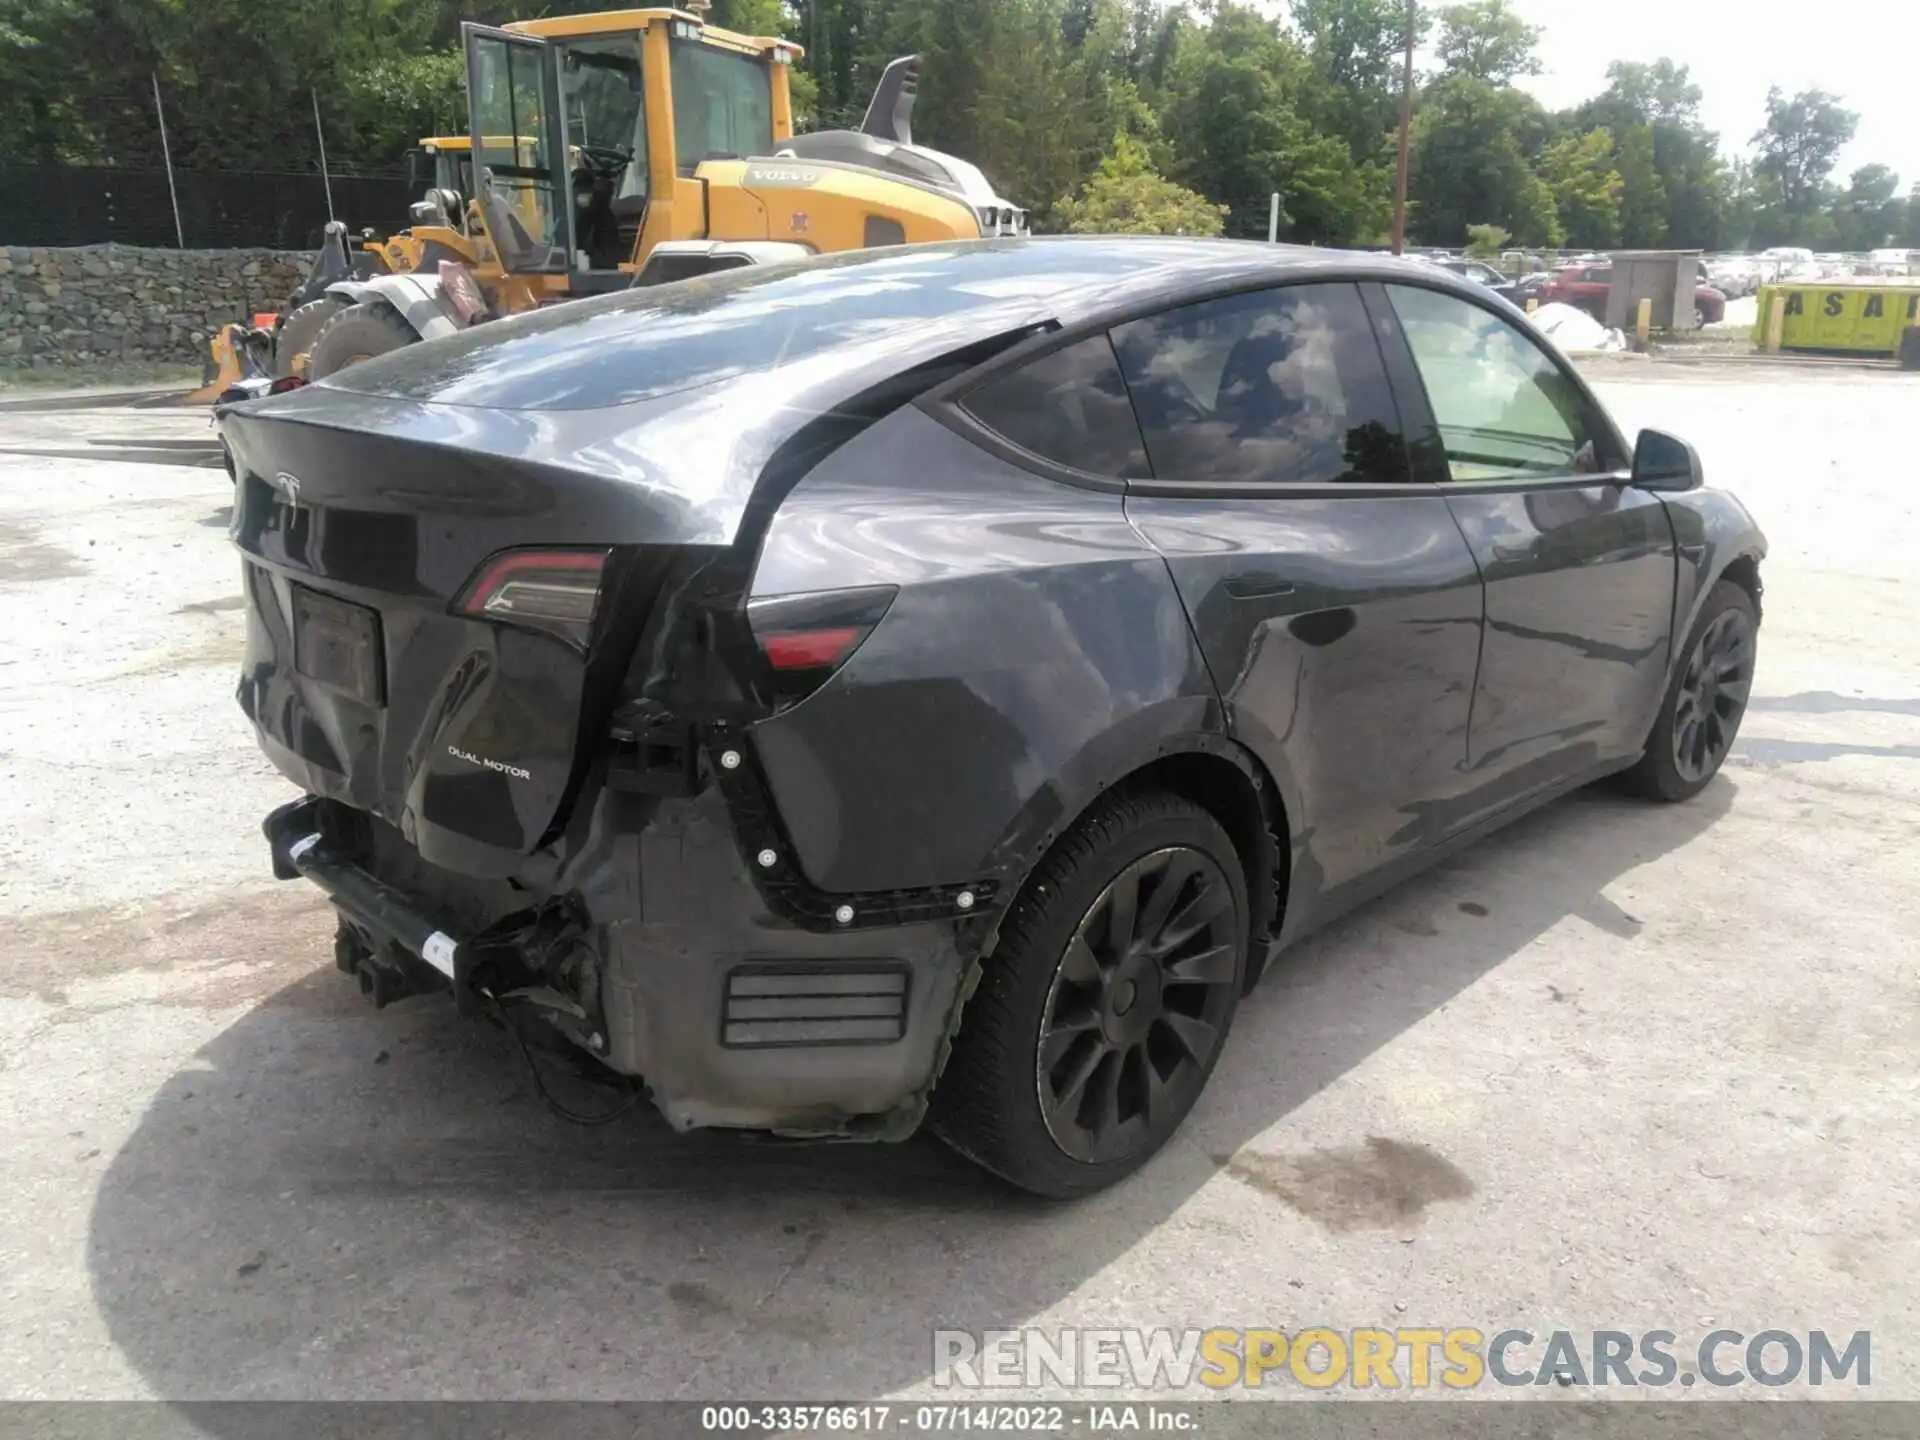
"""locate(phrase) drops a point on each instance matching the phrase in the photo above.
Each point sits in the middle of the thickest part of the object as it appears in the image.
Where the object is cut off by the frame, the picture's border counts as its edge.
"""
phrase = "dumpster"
(1840, 317)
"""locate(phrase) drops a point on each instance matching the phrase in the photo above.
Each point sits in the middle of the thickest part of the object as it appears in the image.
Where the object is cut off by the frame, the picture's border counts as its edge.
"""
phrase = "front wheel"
(359, 332)
(1705, 700)
(295, 338)
(1105, 1005)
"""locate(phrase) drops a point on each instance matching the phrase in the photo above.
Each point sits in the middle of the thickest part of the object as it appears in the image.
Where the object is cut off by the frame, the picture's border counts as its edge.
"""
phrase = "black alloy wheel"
(1138, 1004)
(1105, 1002)
(1705, 700)
(1713, 695)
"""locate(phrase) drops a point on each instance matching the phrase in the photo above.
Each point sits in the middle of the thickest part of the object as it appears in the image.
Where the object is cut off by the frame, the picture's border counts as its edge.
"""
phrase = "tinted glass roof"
(638, 344)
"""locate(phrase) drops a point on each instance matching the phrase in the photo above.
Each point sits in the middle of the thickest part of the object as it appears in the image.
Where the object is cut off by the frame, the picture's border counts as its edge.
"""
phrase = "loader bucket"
(228, 363)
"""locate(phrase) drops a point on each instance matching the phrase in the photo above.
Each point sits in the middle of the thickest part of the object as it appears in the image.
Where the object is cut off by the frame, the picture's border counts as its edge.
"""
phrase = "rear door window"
(1282, 386)
(1070, 407)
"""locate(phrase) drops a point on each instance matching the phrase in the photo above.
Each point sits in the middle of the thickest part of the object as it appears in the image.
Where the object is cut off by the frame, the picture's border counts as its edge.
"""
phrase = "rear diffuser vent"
(832, 1003)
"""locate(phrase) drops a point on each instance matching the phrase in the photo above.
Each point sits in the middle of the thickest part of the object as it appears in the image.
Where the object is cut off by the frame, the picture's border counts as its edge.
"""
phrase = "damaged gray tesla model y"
(931, 683)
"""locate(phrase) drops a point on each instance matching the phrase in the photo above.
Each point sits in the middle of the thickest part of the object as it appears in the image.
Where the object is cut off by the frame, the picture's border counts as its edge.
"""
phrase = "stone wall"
(119, 303)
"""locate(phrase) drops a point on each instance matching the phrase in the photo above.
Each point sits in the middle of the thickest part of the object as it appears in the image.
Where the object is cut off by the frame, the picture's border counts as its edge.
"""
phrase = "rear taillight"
(552, 590)
(805, 638)
(286, 383)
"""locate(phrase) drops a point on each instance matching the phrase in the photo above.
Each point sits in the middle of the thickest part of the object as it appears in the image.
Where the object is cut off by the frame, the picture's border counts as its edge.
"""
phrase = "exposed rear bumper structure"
(742, 1019)
(298, 843)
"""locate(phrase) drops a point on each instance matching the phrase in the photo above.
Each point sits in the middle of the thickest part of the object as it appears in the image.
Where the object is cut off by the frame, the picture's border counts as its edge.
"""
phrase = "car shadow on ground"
(337, 1202)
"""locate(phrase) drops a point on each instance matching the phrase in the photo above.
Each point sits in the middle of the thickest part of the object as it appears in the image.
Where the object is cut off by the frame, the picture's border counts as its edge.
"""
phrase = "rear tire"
(302, 328)
(1705, 702)
(359, 332)
(1099, 1017)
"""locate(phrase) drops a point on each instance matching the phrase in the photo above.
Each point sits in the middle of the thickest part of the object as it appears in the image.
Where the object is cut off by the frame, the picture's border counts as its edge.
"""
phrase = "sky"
(1868, 54)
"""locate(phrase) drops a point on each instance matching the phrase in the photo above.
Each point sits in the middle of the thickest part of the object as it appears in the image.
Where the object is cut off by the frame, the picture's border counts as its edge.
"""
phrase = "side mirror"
(1665, 462)
(416, 170)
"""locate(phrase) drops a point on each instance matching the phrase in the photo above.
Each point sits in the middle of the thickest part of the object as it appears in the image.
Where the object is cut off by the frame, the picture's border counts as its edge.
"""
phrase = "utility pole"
(1406, 132)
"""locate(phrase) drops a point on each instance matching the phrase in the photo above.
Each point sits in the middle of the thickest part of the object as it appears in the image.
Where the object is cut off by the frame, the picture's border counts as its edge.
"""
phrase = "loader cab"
(440, 177)
(614, 113)
(451, 158)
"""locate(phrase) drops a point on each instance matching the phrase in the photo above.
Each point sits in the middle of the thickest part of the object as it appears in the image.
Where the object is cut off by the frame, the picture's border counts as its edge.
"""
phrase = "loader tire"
(303, 327)
(359, 332)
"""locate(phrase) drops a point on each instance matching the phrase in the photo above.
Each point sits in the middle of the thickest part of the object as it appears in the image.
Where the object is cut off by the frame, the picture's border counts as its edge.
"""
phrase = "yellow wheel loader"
(273, 344)
(634, 147)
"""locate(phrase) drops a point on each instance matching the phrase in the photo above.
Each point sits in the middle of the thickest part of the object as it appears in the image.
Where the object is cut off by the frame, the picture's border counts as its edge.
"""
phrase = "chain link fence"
(56, 205)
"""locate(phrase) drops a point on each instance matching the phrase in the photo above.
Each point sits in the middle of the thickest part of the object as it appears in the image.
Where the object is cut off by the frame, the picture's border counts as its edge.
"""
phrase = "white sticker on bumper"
(438, 950)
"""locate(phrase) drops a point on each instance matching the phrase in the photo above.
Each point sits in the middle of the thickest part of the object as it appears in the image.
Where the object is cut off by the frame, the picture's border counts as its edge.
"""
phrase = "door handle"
(1258, 587)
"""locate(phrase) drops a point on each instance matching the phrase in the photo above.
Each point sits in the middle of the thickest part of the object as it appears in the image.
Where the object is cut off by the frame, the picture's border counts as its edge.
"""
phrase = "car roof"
(859, 316)
(693, 389)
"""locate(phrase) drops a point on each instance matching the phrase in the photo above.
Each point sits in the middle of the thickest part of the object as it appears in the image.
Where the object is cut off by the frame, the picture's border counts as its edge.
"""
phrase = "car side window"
(1505, 408)
(1069, 406)
(1281, 386)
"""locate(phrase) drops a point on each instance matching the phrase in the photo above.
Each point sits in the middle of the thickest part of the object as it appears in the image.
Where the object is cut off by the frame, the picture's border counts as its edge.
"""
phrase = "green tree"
(1870, 214)
(39, 120)
(1662, 98)
(1354, 48)
(1485, 241)
(1799, 144)
(1234, 130)
(1486, 40)
(387, 105)
(1643, 194)
(1472, 143)
(1125, 197)
(1660, 93)
(1586, 187)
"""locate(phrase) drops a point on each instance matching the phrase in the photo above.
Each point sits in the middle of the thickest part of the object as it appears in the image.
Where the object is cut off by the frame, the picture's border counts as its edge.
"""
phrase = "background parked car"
(1587, 287)
(1481, 273)
(1734, 276)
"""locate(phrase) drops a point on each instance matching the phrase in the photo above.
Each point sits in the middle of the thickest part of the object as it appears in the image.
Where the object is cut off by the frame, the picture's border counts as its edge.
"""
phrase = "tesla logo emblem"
(289, 486)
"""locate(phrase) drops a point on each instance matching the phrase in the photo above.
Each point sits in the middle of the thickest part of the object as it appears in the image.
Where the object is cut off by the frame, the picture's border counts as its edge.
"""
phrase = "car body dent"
(1357, 620)
(1025, 661)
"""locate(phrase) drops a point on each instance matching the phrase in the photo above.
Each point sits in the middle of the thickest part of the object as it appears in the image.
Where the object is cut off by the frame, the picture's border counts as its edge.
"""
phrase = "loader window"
(600, 90)
(722, 105)
(515, 154)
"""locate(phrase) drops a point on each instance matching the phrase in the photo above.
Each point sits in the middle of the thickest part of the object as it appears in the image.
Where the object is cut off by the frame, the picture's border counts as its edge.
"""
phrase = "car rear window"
(638, 344)
(1069, 406)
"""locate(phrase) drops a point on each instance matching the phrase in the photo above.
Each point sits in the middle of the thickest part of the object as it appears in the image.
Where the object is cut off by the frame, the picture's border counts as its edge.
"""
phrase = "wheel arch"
(1224, 778)
(1229, 783)
(1744, 571)
(419, 300)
